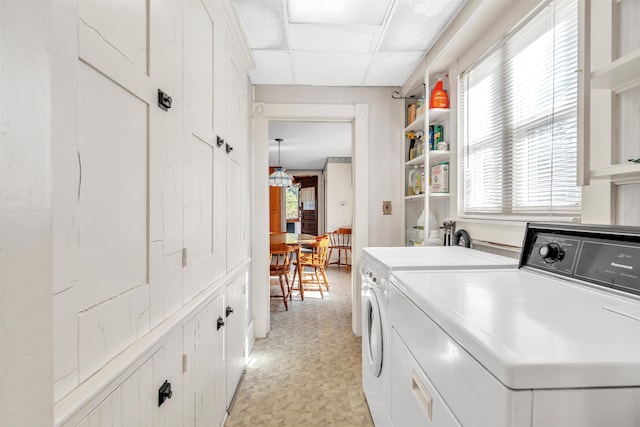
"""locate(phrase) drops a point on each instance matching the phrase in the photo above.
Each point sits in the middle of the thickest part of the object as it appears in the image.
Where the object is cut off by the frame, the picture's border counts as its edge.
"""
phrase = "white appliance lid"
(435, 257)
(531, 331)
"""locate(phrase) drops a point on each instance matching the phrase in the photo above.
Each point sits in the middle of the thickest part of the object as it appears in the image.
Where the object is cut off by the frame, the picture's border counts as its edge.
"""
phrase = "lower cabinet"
(201, 359)
(203, 365)
(235, 332)
(213, 360)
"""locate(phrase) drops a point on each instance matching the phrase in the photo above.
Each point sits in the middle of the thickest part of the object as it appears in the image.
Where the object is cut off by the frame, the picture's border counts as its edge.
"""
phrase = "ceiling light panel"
(272, 67)
(329, 69)
(263, 23)
(416, 24)
(350, 12)
(328, 38)
(392, 68)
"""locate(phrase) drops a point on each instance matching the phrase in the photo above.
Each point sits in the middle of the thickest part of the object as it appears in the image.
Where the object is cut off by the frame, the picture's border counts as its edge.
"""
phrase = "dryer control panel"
(606, 256)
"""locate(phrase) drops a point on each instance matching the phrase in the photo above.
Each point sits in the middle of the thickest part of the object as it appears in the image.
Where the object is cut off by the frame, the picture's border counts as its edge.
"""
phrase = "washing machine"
(553, 343)
(377, 265)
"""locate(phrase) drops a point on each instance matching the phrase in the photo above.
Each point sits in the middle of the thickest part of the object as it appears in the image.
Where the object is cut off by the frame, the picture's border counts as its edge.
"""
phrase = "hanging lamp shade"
(279, 177)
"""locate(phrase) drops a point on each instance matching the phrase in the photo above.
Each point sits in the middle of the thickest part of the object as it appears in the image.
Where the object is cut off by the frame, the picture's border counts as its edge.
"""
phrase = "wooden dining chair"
(310, 266)
(340, 240)
(280, 267)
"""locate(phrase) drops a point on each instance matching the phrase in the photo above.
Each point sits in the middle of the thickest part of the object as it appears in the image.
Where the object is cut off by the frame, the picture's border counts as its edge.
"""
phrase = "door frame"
(263, 113)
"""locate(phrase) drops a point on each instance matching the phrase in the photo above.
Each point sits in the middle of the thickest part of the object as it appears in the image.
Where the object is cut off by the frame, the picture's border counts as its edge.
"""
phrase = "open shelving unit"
(428, 202)
(614, 84)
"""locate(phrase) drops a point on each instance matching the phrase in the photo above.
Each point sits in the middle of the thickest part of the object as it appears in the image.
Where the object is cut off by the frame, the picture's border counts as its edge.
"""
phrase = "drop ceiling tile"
(263, 23)
(329, 69)
(272, 67)
(416, 24)
(392, 68)
(332, 38)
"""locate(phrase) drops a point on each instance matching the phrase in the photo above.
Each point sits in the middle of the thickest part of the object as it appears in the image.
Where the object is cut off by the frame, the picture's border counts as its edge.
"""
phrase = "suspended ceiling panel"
(341, 42)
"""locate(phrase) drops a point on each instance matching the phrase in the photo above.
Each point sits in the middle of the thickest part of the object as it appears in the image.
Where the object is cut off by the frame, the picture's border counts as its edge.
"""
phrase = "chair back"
(281, 255)
(318, 252)
(341, 238)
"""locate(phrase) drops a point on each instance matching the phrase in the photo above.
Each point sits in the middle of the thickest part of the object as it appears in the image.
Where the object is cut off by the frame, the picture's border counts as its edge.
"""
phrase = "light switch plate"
(386, 207)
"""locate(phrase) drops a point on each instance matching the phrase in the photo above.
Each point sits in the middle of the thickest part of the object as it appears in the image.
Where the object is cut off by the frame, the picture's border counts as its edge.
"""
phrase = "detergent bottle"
(439, 97)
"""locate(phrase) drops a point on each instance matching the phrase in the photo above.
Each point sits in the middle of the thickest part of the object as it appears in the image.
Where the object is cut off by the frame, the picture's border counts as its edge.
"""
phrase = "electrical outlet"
(386, 207)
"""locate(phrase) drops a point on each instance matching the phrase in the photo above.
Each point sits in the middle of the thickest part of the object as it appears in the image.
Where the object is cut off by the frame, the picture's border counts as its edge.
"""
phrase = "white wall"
(339, 195)
(26, 397)
(386, 117)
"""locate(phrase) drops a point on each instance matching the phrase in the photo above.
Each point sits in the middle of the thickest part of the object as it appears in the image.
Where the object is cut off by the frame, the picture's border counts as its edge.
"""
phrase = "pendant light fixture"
(279, 177)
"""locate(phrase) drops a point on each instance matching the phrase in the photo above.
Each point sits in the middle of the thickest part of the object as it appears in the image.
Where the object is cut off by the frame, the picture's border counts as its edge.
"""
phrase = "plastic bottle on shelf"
(411, 181)
(439, 97)
(412, 145)
(417, 183)
(434, 238)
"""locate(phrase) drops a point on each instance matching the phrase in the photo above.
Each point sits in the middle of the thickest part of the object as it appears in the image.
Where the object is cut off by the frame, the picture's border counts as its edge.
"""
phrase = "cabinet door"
(234, 334)
(236, 179)
(200, 150)
(204, 403)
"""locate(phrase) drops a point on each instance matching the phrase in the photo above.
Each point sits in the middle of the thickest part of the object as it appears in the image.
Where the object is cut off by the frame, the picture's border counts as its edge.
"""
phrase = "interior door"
(275, 210)
(308, 199)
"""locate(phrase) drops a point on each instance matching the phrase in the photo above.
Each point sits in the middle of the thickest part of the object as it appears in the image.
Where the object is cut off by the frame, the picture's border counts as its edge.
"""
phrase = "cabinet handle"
(229, 310)
(219, 141)
(422, 395)
(220, 323)
(228, 148)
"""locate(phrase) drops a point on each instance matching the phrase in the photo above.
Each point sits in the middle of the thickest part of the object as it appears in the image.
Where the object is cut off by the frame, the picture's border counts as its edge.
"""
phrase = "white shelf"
(627, 172)
(414, 197)
(436, 114)
(437, 156)
(418, 124)
(439, 195)
(418, 161)
(622, 73)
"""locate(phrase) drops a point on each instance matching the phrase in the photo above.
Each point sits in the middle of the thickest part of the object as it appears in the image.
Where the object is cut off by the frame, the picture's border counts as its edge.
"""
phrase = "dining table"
(293, 239)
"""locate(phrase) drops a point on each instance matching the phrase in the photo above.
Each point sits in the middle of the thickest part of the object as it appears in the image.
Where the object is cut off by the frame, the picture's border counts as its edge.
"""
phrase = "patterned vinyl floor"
(307, 372)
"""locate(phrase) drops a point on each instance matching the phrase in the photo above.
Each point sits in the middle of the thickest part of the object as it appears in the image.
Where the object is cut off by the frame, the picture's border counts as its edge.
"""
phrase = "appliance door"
(414, 399)
(372, 331)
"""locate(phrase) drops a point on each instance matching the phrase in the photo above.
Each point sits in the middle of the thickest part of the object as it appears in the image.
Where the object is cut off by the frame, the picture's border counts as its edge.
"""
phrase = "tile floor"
(307, 372)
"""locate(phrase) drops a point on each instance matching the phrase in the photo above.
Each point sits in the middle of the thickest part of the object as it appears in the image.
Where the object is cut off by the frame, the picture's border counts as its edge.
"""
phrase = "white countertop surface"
(435, 257)
(532, 331)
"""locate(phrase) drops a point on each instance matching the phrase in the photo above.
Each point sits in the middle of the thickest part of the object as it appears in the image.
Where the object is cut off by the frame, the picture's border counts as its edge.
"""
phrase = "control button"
(551, 252)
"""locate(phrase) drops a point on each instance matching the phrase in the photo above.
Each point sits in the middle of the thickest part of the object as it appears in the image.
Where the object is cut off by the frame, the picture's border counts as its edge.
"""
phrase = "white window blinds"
(519, 120)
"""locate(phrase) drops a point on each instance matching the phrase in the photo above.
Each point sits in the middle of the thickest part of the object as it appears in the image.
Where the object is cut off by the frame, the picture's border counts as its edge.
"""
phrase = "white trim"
(358, 114)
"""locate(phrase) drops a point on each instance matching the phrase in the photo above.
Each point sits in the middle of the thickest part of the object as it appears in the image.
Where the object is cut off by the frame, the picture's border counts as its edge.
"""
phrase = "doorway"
(308, 204)
(263, 113)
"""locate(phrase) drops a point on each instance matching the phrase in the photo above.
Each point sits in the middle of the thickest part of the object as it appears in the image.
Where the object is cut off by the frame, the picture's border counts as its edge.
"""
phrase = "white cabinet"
(235, 333)
(213, 361)
(204, 365)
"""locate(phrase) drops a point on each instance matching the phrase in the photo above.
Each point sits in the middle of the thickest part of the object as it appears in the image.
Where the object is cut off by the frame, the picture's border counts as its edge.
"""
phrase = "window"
(519, 120)
(291, 202)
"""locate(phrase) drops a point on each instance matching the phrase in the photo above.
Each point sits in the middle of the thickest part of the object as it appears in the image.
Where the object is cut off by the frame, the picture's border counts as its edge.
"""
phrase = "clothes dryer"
(553, 343)
(377, 265)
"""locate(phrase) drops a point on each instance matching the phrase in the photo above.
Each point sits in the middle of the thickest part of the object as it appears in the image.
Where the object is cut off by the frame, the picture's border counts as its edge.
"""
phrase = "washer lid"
(531, 331)
(435, 258)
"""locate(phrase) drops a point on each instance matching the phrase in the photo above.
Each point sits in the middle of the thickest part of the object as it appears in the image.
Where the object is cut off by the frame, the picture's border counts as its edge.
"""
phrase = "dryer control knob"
(551, 252)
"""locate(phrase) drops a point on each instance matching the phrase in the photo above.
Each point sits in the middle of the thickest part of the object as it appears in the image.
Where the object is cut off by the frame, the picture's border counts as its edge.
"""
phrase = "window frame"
(508, 209)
